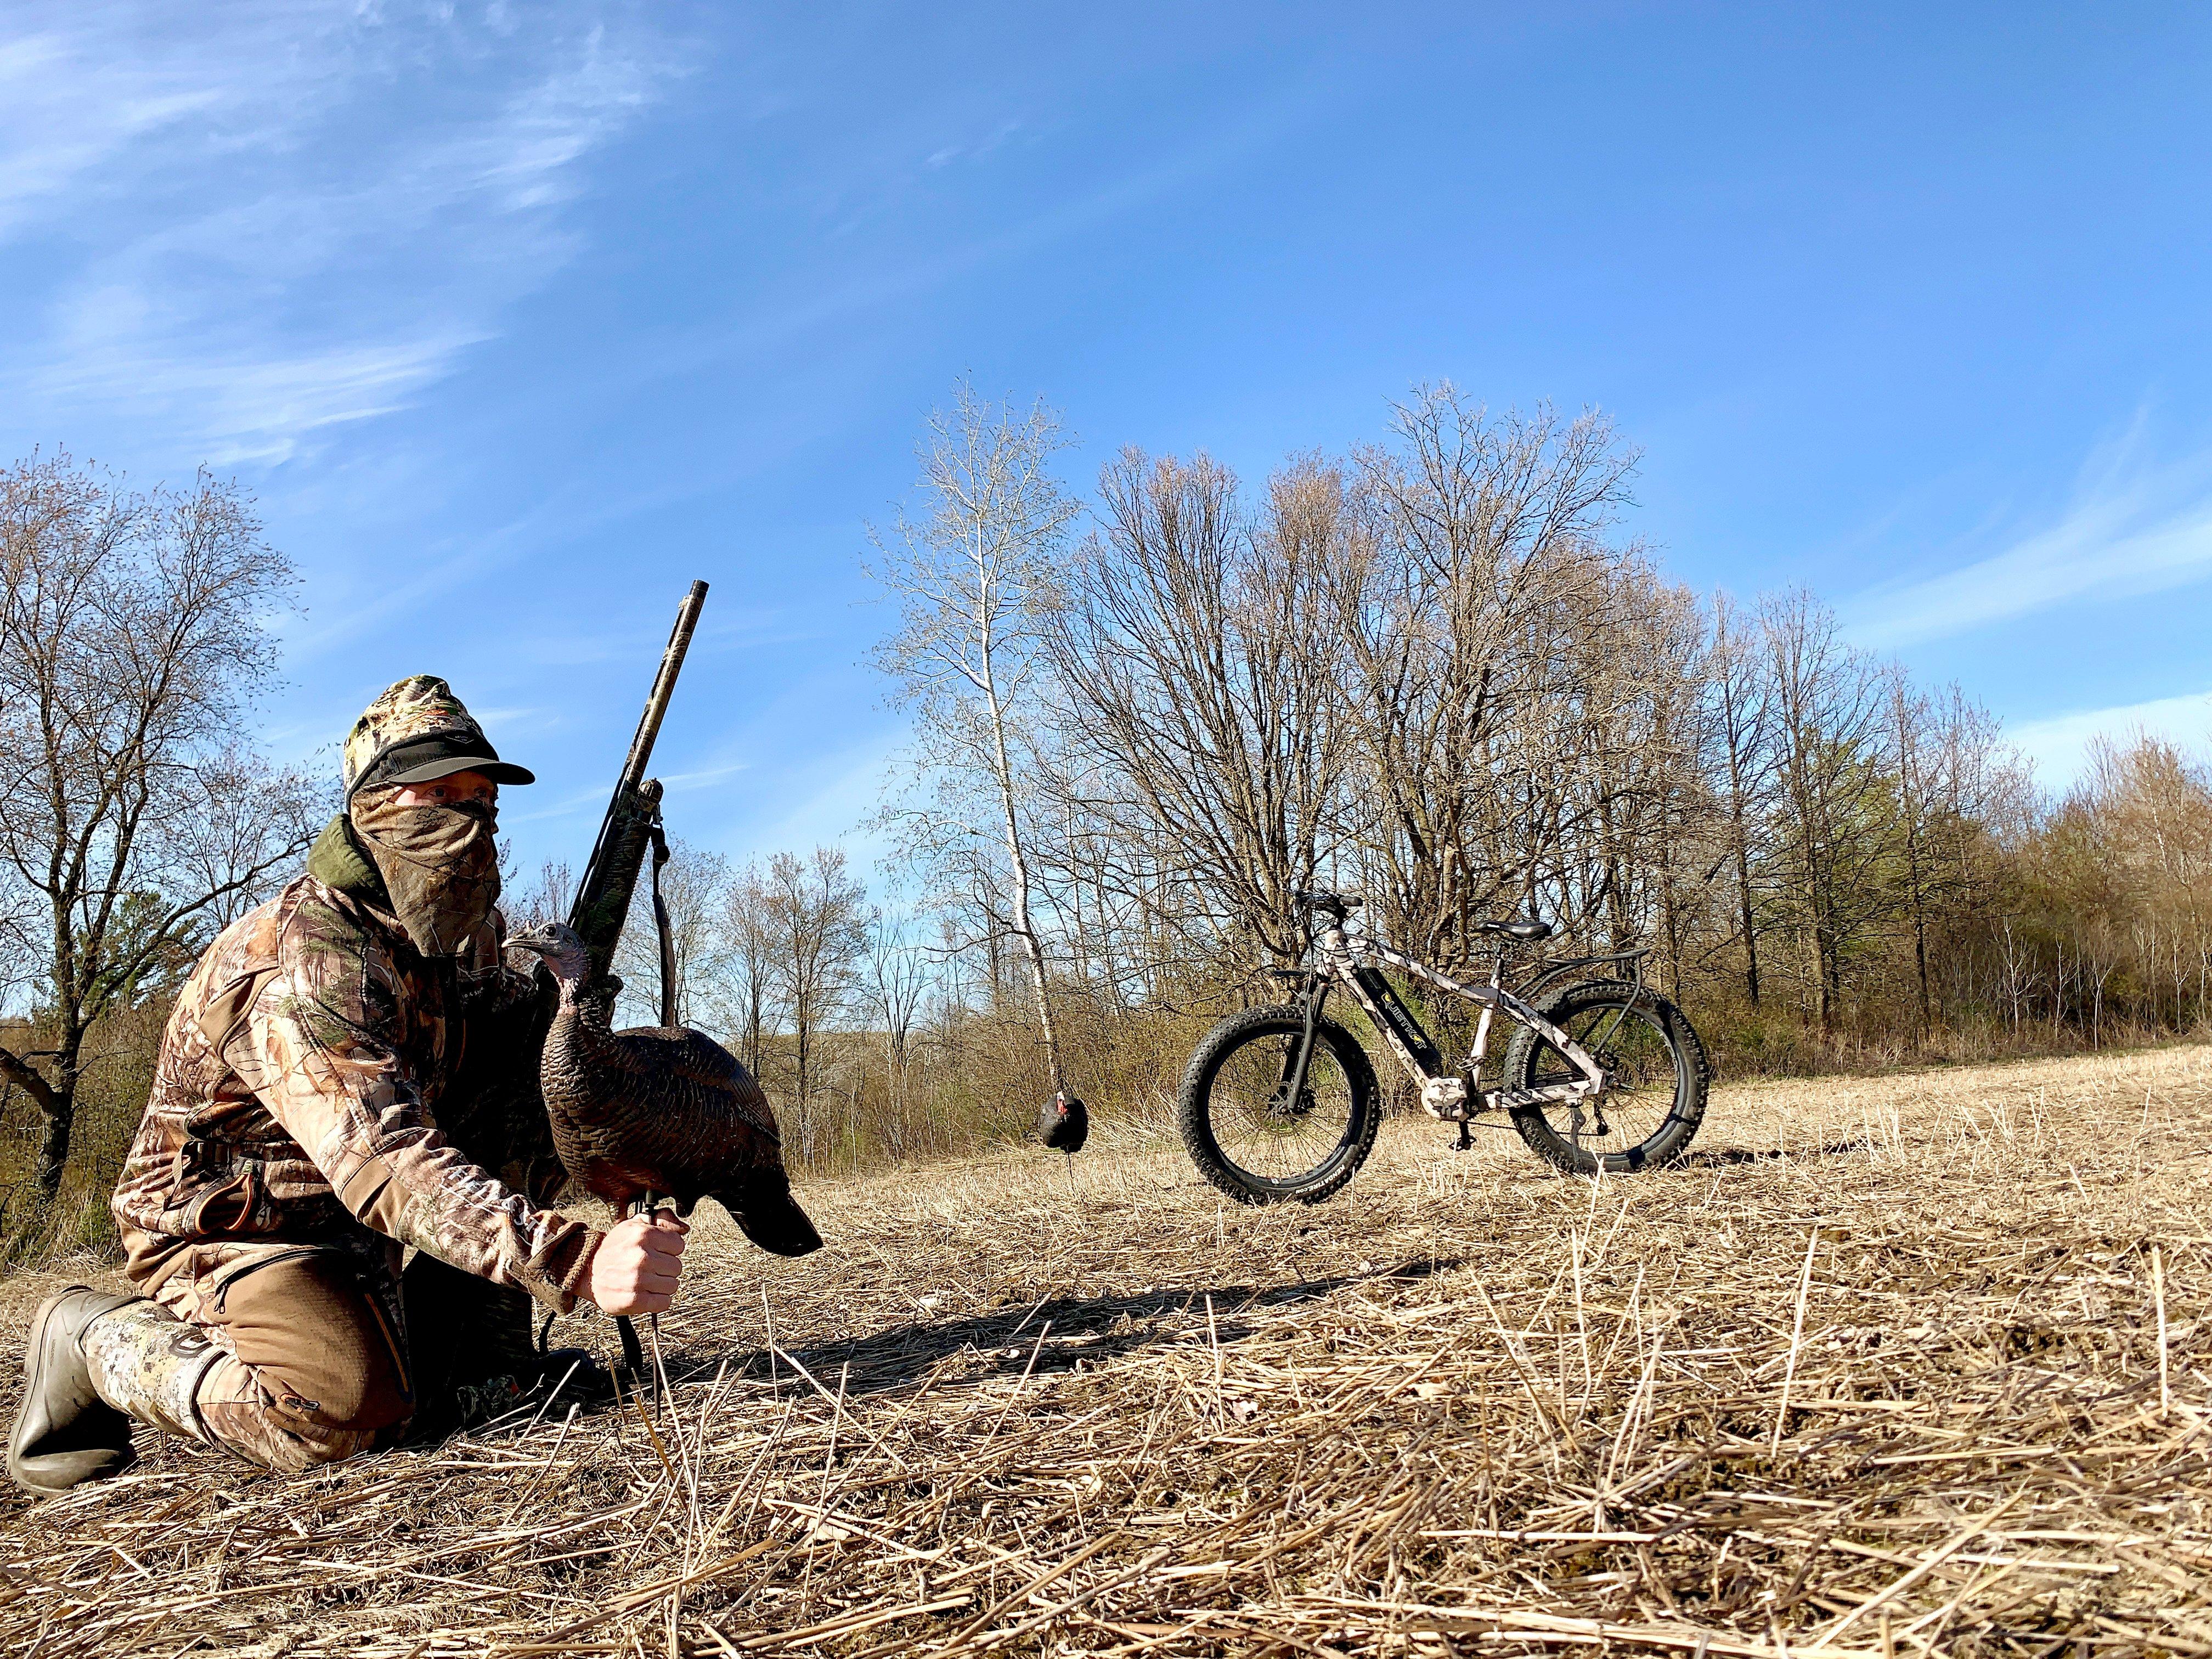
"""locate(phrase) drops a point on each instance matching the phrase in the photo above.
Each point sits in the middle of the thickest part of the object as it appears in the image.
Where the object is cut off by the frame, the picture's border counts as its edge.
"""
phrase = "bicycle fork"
(1294, 1079)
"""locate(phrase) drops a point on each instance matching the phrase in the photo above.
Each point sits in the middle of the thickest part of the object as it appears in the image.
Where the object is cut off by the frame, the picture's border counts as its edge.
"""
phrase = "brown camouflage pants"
(315, 1365)
(325, 1352)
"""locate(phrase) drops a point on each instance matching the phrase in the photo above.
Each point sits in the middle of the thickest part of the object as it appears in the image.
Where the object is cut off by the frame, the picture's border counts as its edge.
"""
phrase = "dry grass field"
(1890, 1366)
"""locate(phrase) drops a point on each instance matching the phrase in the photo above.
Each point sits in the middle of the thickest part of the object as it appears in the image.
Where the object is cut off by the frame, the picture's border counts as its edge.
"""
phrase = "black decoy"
(1064, 1125)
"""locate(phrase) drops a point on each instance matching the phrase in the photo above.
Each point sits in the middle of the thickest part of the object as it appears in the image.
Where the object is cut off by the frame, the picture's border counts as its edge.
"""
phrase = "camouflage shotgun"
(632, 825)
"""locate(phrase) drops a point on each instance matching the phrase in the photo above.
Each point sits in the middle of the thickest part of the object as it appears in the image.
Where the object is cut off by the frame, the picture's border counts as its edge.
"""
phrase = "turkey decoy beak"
(769, 1217)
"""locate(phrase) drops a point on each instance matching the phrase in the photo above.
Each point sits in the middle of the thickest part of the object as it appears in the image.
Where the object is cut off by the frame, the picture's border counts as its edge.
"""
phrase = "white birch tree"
(974, 574)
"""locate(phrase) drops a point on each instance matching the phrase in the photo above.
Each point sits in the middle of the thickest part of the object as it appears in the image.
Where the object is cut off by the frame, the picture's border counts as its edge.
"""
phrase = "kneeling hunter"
(291, 1151)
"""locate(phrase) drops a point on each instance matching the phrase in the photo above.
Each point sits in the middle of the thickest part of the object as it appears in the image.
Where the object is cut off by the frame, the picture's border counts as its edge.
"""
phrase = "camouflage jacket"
(295, 1103)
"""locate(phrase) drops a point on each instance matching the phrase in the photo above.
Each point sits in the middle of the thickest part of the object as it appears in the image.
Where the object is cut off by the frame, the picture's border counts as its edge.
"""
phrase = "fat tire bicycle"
(1279, 1103)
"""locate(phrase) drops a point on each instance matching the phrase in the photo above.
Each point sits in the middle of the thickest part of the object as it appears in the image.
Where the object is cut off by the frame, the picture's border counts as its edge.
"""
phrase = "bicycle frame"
(1353, 963)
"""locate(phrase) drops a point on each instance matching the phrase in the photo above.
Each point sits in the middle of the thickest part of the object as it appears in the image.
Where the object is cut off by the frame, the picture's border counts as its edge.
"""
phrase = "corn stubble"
(1893, 1367)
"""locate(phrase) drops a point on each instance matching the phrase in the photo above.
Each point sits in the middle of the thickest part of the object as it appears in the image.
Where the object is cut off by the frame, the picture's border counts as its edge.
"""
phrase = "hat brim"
(444, 766)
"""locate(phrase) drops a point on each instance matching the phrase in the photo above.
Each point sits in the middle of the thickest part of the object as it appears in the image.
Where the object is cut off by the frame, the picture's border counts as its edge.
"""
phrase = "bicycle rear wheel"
(1245, 1132)
(1655, 1097)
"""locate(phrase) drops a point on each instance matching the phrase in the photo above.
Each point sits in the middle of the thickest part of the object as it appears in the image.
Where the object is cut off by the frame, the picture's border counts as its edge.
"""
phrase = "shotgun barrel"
(603, 896)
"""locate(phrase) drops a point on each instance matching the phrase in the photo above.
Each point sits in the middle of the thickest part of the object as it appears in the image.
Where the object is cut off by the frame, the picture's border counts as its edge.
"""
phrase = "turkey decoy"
(658, 1112)
(1064, 1125)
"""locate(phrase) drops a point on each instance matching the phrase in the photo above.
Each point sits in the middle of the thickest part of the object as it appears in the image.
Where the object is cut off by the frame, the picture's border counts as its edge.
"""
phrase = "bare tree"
(548, 897)
(1836, 772)
(974, 577)
(817, 917)
(897, 978)
(1744, 765)
(1919, 785)
(744, 993)
(1199, 662)
(693, 885)
(132, 643)
(1957, 791)
(1481, 605)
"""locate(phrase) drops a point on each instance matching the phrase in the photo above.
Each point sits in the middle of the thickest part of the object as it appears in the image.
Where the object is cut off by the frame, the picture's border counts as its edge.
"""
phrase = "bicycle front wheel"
(1246, 1132)
(1655, 1070)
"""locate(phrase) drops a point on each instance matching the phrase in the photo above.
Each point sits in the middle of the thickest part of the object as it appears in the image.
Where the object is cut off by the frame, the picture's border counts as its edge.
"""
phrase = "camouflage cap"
(418, 730)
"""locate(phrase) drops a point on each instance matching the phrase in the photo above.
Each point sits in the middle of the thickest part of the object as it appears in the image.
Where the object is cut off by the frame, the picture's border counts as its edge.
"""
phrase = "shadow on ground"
(1054, 1335)
(1721, 1156)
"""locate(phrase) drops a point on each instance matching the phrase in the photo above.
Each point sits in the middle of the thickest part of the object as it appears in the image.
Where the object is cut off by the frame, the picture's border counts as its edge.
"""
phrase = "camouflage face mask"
(439, 863)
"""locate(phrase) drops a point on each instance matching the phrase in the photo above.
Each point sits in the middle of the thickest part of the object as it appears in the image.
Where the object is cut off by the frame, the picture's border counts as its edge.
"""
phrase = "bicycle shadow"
(1722, 1156)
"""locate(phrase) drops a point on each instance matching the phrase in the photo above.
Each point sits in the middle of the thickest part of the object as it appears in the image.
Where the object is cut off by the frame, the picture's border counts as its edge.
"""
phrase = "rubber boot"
(65, 1433)
(149, 1364)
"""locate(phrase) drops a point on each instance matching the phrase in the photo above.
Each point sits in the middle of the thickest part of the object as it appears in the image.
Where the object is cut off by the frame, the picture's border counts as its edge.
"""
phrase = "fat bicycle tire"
(1585, 1012)
(1195, 1106)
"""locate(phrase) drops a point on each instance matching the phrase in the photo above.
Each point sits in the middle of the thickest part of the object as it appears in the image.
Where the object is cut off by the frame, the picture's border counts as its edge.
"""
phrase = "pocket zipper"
(223, 1290)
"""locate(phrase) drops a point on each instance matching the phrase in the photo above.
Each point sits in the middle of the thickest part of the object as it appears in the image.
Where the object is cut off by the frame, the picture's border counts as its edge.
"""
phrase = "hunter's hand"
(638, 1264)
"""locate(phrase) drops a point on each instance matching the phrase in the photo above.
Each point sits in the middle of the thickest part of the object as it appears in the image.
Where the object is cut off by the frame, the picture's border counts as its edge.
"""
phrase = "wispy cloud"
(827, 800)
(976, 150)
(277, 219)
(702, 778)
(2131, 530)
(79, 86)
(2059, 746)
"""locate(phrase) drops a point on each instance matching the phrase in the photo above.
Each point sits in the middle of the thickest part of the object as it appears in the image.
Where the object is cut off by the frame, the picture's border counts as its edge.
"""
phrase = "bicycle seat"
(1523, 931)
(1331, 904)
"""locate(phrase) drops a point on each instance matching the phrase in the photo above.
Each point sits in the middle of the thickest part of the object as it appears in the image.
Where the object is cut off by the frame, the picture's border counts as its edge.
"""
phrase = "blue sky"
(516, 318)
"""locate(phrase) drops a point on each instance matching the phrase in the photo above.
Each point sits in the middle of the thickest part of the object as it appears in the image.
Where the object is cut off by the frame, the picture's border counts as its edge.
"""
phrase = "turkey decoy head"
(562, 949)
(1065, 1123)
(763, 1208)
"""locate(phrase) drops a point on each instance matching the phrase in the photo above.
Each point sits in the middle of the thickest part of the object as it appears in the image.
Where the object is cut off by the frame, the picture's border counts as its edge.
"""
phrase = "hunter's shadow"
(1005, 1342)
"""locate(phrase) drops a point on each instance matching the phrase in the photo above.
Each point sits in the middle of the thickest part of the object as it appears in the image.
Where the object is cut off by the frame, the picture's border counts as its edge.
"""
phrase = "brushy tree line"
(1433, 669)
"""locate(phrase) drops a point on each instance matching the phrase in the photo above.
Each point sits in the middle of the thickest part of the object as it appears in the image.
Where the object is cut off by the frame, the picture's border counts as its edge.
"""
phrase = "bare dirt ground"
(1889, 1366)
